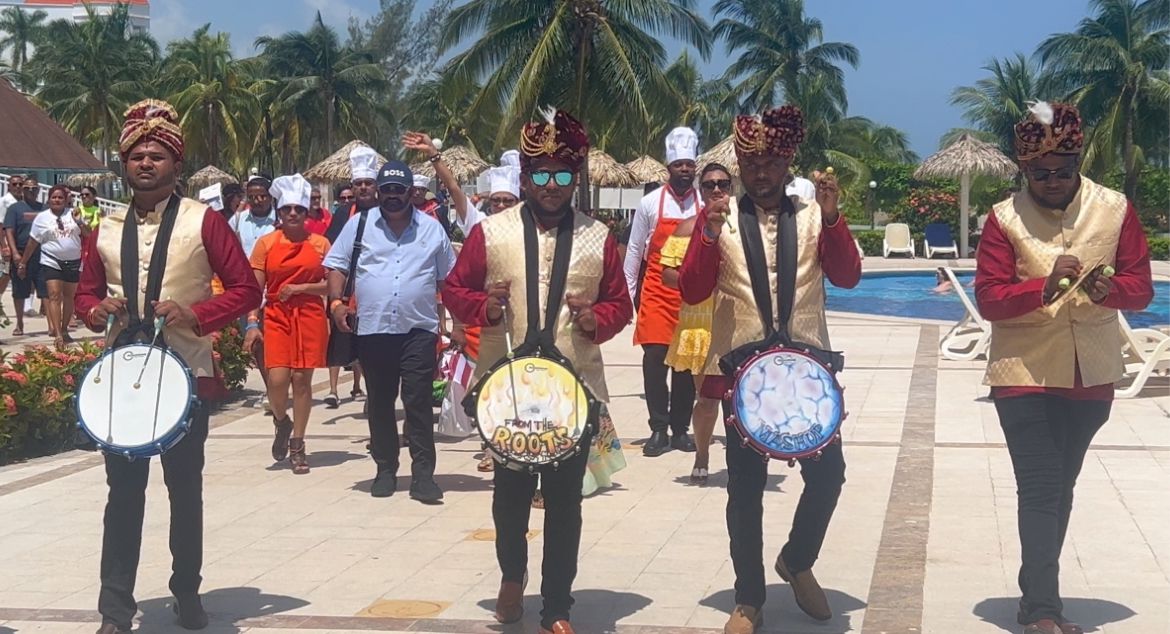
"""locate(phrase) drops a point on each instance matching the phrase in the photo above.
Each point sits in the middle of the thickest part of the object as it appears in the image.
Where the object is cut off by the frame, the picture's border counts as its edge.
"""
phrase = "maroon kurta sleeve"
(241, 292)
(1133, 287)
(999, 293)
(838, 255)
(91, 289)
(700, 268)
(613, 309)
(463, 294)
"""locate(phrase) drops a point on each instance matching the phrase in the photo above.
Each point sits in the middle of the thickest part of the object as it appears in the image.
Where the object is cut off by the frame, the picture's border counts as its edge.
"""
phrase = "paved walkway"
(924, 537)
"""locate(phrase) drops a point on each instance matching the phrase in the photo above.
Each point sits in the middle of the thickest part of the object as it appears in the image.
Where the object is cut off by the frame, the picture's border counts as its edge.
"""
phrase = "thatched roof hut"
(605, 171)
(723, 153)
(960, 160)
(209, 175)
(335, 168)
(92, 179)
(465, 164)
(648, 170)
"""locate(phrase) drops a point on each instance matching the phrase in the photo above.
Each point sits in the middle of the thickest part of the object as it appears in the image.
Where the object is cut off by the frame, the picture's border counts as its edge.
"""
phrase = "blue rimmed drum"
(786, 404)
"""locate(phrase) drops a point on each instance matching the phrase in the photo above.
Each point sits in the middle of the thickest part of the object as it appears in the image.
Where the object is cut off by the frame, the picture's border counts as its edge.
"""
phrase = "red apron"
(658, 312)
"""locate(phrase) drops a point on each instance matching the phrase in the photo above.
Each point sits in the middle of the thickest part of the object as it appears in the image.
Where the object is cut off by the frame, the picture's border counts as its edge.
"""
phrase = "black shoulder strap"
(347, 292)
(757, 264)
(753, 247)
(786, 264)
(158, 261)
(536, 336)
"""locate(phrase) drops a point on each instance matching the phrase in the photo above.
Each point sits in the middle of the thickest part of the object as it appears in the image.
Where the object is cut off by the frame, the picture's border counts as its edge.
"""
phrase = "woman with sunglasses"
(57, 233)
(87, 207)
(692, 337)
(288, 265)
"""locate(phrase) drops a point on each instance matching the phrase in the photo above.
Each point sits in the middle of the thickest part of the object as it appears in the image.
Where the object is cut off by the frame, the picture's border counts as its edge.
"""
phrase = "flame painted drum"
(532, 412)
(135, 400)
(786, 404)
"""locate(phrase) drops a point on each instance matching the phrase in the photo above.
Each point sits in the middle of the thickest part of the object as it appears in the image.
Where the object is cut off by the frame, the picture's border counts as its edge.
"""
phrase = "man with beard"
(717, 260)
(595, 308)
(502, 185)
(660, 213)
(201, 245)
(422, 199)
(1055, 351)
(251, 224)
(403, 259)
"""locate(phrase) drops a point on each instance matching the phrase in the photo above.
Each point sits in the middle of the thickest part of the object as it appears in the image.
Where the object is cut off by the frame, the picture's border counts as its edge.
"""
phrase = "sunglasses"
(503, 202)
(541, 178)
(712, 185)
(1040, 175)
(394, 189)
(86, 195)
(314, 198)
(60, 225)
(345, 198)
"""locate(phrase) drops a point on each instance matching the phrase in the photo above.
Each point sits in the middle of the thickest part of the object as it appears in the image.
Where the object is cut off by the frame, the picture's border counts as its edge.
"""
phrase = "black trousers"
(390, 361)
(1047, 437)
(669, 407)
(747, 476)
(125, 507)
(511, 508)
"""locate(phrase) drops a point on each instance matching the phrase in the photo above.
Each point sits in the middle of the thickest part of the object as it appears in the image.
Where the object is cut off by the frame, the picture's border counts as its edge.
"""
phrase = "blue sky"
(913, 52)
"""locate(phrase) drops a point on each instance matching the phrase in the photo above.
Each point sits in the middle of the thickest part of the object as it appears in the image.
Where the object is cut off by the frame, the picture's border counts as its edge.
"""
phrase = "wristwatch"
(334, 303)
(436, 158)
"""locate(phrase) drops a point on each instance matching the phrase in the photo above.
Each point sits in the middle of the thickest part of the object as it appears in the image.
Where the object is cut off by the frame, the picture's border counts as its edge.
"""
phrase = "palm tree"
(779, 45)
(22, 29)
(322, 80)
(1114, 67)
(442, 106)
(564, 51)
(211, 94)
(93, 71)
(996, 103)
(705, 105)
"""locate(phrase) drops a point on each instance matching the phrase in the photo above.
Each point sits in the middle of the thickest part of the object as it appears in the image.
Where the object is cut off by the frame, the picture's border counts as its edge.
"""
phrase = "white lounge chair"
(860, 251)
(897, 240)
(970, 337)
(938, 241)
(1145, 352)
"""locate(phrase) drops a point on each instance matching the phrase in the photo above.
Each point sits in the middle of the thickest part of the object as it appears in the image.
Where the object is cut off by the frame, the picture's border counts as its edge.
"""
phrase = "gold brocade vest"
(503, 235)
(736, 319)
(1044, 347)
(186, 280)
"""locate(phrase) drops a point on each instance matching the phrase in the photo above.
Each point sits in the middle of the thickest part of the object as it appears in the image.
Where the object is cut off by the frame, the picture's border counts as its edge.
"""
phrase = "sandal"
(284, 429)
(699, 476)
(538, 501)
(356, 393)
(487, 465)
(18, 332)
(331, 401)
(296, 456)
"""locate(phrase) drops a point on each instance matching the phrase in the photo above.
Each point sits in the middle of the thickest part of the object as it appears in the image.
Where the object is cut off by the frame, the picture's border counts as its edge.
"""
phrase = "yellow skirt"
(692, 338)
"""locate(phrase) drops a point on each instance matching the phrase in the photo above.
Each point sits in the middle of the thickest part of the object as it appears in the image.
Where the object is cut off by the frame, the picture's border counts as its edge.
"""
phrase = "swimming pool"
(909, 294)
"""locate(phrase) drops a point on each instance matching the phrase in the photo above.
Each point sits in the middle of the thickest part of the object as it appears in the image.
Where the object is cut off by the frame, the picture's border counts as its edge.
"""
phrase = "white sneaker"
(31, 313)
(264, 405)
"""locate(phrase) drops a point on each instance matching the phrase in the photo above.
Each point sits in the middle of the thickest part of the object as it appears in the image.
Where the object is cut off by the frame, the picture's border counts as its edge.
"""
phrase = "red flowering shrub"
(928, 205)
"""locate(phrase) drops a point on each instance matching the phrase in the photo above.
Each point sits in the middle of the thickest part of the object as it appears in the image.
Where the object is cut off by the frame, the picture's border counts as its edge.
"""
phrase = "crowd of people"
(372, 284)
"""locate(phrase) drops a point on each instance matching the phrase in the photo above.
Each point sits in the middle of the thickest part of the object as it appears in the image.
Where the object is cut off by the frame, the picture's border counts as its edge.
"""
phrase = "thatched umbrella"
(963, 158)
(335, 168)
(465, 164)
(92, 179)
(723, 153)
(648, 170)
(208, 176)
(605, 171)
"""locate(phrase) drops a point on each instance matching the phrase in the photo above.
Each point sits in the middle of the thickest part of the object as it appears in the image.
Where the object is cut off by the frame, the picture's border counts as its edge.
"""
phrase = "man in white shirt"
(502, 185)
(660, 213)
(249, 225)
(15, 184)
(801, 187)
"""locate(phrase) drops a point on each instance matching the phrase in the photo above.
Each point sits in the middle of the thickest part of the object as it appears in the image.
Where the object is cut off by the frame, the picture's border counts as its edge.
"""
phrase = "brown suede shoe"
(744, 620)
(510, 602)
(560, 627)
(1043, 626)
(110, 628)
(810, 598)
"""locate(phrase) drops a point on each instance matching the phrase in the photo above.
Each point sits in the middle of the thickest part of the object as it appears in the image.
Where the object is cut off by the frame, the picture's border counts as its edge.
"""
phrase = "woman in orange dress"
(288, 265)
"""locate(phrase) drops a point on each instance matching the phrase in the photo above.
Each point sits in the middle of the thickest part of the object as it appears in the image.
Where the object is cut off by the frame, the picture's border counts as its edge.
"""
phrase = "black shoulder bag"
(140, 328)
(342, 349)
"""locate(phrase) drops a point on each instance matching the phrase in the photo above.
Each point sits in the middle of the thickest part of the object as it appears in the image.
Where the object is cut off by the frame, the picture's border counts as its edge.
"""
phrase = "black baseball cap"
(395, 173)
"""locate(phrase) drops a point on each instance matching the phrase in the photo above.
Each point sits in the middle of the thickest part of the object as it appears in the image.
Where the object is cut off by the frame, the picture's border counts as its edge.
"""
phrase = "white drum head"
(120, 409)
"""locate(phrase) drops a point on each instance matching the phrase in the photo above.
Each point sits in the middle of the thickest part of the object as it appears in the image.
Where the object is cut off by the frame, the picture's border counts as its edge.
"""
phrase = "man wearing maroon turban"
(199, 245)
(717, 259)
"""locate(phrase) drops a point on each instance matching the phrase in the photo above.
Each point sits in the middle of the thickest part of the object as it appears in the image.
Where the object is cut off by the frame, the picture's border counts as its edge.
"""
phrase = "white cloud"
(169, 21)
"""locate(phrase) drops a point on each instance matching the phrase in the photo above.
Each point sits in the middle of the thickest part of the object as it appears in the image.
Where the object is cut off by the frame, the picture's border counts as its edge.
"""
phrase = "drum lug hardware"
(137, 386)
(817, 456)
(79, 424)
(728, 396)
(837, 438)
(743, 442)
(766, 458)
(791, 462)
(128, 456)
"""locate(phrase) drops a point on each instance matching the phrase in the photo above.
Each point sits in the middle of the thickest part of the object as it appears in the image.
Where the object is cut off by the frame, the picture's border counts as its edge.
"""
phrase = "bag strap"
(144, 315)
(786, 265)
(545, 337)
(347, 292)
(753, 247)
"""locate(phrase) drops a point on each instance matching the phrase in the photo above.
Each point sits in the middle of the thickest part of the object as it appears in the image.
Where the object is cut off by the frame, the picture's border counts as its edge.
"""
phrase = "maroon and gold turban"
(559, 137)
(152, 120)
(1049, 128)
(776, 132)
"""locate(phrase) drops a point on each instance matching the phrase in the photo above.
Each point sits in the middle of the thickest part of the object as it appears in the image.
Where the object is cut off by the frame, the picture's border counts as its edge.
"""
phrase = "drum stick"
(511, 356)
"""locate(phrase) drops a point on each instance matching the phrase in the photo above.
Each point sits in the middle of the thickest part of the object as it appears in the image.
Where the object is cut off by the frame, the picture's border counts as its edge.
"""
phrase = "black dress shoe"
(683, 442)
(191, 613)
(656, 445)
(111, 628)
(425, 490)
(385, 484)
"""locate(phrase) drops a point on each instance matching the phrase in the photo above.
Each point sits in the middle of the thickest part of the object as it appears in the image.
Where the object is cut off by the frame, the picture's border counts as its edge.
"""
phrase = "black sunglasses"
(394, 189)
(1040, 175)
(540, 178)
(723, 184)
(345, 198)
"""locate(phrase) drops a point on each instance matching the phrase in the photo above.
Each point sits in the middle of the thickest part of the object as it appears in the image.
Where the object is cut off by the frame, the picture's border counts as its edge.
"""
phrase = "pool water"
(909, 294)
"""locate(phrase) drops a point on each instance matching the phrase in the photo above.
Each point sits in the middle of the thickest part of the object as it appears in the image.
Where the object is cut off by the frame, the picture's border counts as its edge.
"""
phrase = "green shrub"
(1159, 248)
(871, 241)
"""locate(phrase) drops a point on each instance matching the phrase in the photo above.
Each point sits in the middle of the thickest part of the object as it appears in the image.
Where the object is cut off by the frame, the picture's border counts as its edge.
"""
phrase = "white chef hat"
(504, 179)
(682, 144)
(363, 163)
(422, 181)
(291, 190)
(511, 158)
